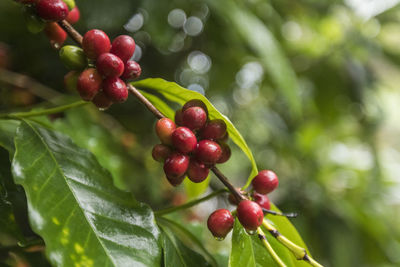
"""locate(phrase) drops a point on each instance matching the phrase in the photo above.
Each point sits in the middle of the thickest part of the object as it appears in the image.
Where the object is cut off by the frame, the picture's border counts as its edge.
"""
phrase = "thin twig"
(145, 101)
(277, 213)
(71, 31)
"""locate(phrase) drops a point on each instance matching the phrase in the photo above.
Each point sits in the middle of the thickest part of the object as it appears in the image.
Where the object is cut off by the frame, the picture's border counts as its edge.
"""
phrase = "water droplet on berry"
(219, 238)
(250, 232)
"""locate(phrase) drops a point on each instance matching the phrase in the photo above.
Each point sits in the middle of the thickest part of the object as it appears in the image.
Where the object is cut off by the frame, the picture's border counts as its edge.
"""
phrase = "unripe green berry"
(73, 57)
(70, 4)
(34, 24)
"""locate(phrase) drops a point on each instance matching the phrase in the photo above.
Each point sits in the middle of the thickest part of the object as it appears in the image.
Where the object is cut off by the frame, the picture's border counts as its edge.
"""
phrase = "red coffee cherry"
(89, 83)
(195, 103)
(208, 151)
(74, 15)
(194, 118)
(52, 10)
(224, 138)
(161, 152)
(123, 46)
(214, 130)
(178, 117)
(109, 65)
(94, 43)
(262, 200)
(115, 89)
(265, 182)
(175, 167)
(226, 153)
(184, 140)
(55, 33)
(197, 171)
(250, 214)
(132, 70)
(220, 223)
(164, 129)
(102, 101)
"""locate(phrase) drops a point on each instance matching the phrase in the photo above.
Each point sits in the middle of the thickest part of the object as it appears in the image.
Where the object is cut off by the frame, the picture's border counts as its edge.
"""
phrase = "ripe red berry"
(220, 223)
(250, 214)
(123, 46)
(184, 140)
(265, 182)
(52, 10)
(89, 83)
(208, 151)
(94, 43)
(115, 89)
(164, 129)
(74, 15)
(175, 167)
(109, 65)
(197, 171)
(262, 200)
(132, 70)
(195, 103)
(226, 153)
(161, 152)
(178, 117)
(194, 118)
(214, 130)
(55, 33)
(102, 101)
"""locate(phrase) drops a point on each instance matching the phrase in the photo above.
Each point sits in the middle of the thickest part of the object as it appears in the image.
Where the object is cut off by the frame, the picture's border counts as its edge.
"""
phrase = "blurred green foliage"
(311, 85)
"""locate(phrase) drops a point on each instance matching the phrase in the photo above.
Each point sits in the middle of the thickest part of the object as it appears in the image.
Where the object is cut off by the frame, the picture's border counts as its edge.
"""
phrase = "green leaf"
(73, 205)
(194, 190)
(7, 133)
(175, 93)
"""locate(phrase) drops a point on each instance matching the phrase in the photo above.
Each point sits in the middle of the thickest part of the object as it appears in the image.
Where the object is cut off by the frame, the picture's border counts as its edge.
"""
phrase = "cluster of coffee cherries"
(249, 212)
(192, 144)
(44, 14)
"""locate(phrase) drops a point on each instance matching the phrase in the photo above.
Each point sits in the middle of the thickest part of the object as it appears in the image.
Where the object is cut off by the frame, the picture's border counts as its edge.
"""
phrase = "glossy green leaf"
(7, 133)
(175, 93)
(73, 205)
(194, 190)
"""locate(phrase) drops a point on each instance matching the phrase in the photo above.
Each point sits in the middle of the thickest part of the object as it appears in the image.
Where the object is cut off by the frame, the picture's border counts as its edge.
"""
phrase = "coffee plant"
(74, 209)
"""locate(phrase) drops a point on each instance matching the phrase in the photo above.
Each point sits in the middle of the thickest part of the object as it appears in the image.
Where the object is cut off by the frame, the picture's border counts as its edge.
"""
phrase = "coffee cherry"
(220, 223)
(161, 152)
(262, 200)
(164, 129)
(184, 140)
(197, 171)
(109, 65)
(115, 89)
(55, 33)
(175, 167)
(71, 80)
(33, 22)
(132, 70)
(178, 117)
(208, 151)
(225, 138)
(52, 10)
(194, 118)
(74, 15)
(265, 182)
(250, 214)
(102, 101)
(73, 57)
(214, 130)
(123, 46)
(226, 153)
(89, 83)
(195, 103)
(94, 43)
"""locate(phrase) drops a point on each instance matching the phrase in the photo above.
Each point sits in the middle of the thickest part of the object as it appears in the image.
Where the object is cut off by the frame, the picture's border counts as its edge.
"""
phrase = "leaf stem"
(268, 246)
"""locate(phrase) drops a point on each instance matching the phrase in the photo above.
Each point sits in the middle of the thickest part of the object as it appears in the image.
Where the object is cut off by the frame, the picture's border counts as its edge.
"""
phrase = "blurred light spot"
(197, 88)
(291, 31)
(203, 12)
(221, 105)
(143, 37)
(199, 62)
(370, 8)
(177, 42)
(184, 77)
(176, 18)
(200, 79)
(134, 23)
(371, 28)
(357, 156)
(250, 74)
(138, 53)
(193, 26)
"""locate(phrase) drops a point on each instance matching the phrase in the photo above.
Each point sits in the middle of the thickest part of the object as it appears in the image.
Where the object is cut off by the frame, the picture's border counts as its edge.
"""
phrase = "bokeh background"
(312, 85)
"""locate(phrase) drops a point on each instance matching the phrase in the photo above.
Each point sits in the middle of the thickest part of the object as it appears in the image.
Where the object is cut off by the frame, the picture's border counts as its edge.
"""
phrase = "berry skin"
(262, 200)
(226, 153)
(73, 57)
(250, 214)
(175, 167)
(220, 223)
(94, 43)
(164, 129)
(74, 15)
(102, 101)
(194, 118)
(115, 89)
(195, 103)
(178, 117)
(197, 171)
(208, 151)
(161, 152)
(109, 65)
(132, 70)
(52, 10)
(89, 83)
(123, 46)
(184, 140)
(55, 33)
(265, 182)
(214, 130)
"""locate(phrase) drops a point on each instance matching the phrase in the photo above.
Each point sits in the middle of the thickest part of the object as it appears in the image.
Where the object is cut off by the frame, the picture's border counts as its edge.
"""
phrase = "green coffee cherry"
(34, 23)
(73, 57)
(70, 4)
(71, 80)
